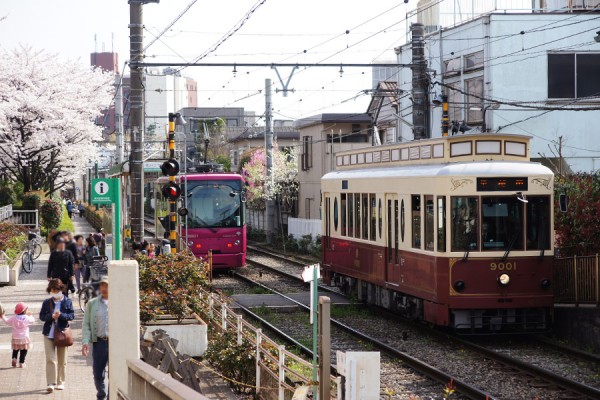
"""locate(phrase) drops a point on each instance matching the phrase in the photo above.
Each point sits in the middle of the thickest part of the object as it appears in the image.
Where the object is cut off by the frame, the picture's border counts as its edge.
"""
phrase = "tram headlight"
(459, 286)
(503, 279)
(545, 283)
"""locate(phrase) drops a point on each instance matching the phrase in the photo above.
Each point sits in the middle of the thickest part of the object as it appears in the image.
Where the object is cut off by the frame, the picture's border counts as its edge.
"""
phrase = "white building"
(527, 73)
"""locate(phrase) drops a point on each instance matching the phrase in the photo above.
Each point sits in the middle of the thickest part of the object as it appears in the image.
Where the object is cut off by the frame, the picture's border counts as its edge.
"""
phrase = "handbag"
(63, 338)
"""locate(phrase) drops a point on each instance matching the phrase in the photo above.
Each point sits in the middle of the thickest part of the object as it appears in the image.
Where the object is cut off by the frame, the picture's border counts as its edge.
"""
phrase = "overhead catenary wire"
(170, 25)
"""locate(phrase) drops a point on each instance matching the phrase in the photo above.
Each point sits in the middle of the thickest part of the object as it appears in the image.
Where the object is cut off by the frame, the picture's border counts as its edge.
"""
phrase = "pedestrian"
(81, 209)
(20, 342)
(91, 250)
(152, 251)
(56, 313)
(145, 248)
(95, 332)
(70, 208)
(80, 264)
(61, 264)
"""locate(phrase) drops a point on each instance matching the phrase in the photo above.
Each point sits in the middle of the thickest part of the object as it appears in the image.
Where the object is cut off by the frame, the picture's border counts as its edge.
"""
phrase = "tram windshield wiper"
(468, 249)
(511, 244)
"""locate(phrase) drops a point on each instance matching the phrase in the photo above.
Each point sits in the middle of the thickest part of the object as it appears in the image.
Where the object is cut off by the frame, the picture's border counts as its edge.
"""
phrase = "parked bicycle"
(98, 269)
(27, 260)
(34, 243)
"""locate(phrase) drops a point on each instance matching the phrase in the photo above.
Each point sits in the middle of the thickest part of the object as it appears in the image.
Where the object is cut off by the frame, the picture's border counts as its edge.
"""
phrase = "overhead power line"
(181, 14)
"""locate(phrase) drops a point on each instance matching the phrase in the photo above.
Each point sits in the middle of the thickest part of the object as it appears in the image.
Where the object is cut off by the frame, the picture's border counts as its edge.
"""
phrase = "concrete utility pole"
(136, 115)
(419, 83)
(270, 209)
(119, 118)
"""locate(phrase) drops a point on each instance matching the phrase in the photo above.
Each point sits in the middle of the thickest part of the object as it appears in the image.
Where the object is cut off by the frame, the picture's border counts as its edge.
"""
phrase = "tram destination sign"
(502, 184)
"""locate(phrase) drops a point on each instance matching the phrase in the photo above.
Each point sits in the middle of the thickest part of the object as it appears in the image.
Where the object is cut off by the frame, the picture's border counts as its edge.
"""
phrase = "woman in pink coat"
(20, 323)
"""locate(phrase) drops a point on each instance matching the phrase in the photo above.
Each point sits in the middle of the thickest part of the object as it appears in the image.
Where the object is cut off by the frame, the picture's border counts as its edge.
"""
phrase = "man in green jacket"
(95, 331)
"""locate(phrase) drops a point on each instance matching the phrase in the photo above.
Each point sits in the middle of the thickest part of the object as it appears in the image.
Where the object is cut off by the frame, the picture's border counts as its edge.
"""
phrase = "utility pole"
(119, 118)
(419, 83)
(136, 115)
(270, 209)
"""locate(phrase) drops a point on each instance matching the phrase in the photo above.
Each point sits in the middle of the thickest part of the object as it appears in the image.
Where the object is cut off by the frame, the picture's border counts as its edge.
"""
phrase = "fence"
(278, 371)
(577, 281)
(28, 218)
(298, 227)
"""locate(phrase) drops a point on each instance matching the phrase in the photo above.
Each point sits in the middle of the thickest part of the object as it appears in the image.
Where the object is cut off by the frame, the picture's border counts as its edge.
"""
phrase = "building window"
(573, 75)
(455, 103)
(474, 61)
(474, 99)
(232, 122)
(306, 156)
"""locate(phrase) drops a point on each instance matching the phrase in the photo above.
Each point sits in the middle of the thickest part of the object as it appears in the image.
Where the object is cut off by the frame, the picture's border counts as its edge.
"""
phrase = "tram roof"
(482, 168)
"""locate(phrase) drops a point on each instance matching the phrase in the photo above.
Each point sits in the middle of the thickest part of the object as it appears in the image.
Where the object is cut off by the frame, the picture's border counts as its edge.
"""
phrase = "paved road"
(30, 383)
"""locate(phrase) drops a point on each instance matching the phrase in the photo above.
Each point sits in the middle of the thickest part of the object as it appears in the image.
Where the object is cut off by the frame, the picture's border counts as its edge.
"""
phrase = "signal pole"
(136, 115)
(119, 118)
(420, 84)
(172, 202)
(270, 206)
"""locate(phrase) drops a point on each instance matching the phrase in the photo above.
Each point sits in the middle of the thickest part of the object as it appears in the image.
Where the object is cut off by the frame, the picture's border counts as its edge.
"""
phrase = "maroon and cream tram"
(454, 231)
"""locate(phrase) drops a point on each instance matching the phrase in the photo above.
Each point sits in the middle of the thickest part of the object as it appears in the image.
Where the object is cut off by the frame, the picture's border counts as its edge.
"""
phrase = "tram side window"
(380, 218)
(464, 223)
(416, 221)
(335, 214)
(350, 215)
(365, 216)
(538, 223)
(396, 241)
(501, 223)
(373, 213)
(357, 215)
(343, 214)
(441, 224)
(429, 225)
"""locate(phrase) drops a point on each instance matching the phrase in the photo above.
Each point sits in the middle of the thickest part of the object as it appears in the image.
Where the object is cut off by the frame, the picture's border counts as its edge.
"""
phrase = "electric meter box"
(362, 372)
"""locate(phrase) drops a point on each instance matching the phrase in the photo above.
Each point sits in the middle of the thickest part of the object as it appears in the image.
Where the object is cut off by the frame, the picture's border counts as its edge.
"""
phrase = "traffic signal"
(170, 167)
(171, 191)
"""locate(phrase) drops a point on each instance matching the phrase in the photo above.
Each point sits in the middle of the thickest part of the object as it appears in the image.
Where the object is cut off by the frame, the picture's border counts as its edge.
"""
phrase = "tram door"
(392, 253)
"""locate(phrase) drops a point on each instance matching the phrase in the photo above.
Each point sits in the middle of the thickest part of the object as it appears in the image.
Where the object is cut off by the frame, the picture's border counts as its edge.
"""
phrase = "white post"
(123, 322)
(224, 316)
(258, 345)
(281, 372)
(239, 330)
(210, 305)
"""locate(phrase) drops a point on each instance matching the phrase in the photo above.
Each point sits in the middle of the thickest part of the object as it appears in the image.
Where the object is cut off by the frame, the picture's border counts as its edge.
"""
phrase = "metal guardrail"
(577, 280)
(276, 367)
(29, 218)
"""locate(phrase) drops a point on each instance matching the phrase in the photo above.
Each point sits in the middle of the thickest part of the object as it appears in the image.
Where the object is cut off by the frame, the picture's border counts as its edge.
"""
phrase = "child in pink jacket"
(20, 323)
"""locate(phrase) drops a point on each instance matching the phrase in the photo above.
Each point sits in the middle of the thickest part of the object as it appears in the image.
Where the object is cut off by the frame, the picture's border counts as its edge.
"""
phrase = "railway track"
(543, 380)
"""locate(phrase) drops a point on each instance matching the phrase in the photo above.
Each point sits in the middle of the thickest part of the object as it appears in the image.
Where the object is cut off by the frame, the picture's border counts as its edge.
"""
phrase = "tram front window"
(214, 204)
(501, 223)
(465, 218)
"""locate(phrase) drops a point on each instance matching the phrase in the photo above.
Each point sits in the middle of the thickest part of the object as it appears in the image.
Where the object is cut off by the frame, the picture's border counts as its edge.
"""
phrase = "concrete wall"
(124, 322)
(579, 326)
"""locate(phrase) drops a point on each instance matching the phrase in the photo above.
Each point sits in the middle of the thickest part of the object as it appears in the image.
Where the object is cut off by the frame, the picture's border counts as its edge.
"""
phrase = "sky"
(278, 31)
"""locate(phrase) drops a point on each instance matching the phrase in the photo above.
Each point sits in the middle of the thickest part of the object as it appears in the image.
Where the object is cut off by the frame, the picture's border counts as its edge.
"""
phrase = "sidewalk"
(30, 383)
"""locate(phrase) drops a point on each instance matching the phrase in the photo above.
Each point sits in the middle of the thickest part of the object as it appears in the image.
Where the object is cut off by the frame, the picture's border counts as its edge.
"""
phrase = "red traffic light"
(170, 167)
(171, 191)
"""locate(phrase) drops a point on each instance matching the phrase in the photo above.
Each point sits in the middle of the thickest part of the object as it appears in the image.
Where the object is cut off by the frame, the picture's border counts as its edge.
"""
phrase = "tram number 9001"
(503, 266)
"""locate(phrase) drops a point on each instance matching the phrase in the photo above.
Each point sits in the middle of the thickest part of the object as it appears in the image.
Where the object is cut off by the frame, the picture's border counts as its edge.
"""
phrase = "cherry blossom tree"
(283, 186)
(48, 108)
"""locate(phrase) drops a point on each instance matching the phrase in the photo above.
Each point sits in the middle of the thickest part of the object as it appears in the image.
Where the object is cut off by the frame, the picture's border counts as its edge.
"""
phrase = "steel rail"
(558, 380)
(415, 364)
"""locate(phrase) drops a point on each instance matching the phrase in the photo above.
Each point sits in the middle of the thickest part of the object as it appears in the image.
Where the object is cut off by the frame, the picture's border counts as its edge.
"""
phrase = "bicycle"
(27, 260)
(98, 269)
(34, 243)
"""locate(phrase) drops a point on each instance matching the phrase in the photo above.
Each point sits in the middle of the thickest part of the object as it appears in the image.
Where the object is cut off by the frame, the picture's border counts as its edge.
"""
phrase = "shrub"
(170, 285)
(51, 213)
(12, 238)
(31, 201)
(66, 224)
(233, 360)
(304, 243)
